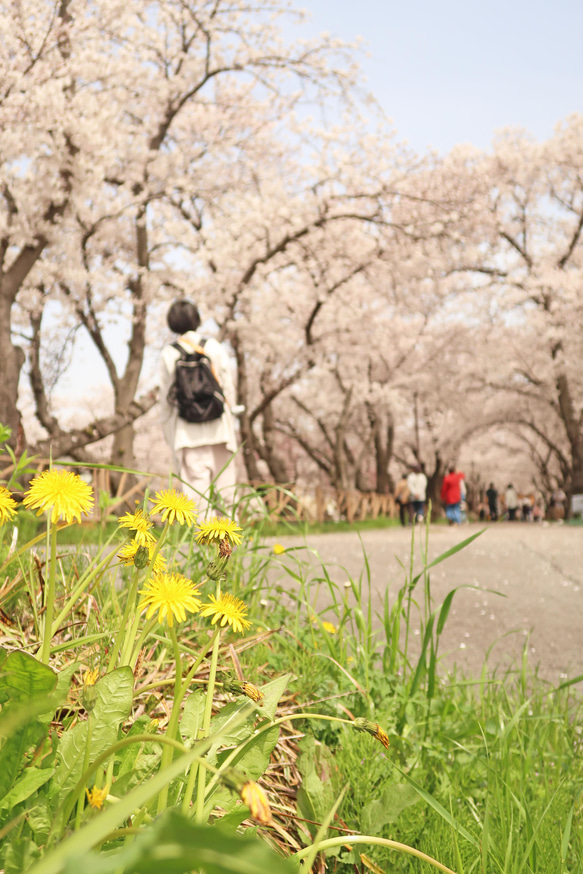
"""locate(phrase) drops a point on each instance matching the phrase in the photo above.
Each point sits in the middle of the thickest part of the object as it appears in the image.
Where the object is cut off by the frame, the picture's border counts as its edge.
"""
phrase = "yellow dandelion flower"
(91, 677)
(139, 524)
(128, 553)
(216, 530)
(256, 800)
(327, 626)
(7, 505)
(278, 549)
(61, 491)
(174, 506)
(227, 609)
(172, 595)
(96, 797)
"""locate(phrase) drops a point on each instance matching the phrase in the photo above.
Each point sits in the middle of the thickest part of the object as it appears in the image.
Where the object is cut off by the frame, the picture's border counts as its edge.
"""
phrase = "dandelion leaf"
(386, 809)
(113, 704)
(318, 792)
(176, 845)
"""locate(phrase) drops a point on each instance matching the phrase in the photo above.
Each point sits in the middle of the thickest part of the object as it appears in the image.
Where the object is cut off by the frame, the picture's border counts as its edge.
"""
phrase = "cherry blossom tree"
(524, 254)
(116, 119)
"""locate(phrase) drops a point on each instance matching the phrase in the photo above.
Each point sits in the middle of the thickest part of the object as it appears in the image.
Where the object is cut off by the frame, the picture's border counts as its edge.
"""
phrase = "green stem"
(206, 725)
(81, 800)
(187, 800)
(133, 656)
(168, 752)
(72, 847)
(84, 580)
(409, 596)
(239, 751)
(50, 598)
(129, 641)
(119, 638)
(381, 842)
(126, 655)
(68, 804)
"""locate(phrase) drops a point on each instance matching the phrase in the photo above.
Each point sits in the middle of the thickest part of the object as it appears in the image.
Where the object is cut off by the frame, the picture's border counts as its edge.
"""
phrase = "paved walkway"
(538, 571)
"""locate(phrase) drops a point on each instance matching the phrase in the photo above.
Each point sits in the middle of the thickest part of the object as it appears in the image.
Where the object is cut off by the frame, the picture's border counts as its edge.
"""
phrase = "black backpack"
(196, 390)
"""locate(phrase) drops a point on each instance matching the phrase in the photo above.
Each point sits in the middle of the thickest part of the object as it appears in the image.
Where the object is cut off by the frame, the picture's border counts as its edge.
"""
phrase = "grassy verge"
(484, 774)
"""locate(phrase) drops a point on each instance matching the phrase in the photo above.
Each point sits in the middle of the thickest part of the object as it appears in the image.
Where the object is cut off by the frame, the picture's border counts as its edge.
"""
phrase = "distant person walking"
(202, 447)
(402, 499)
(511, 498)
(492, 498)
(451, 495)
(527, 503)
(417, 482)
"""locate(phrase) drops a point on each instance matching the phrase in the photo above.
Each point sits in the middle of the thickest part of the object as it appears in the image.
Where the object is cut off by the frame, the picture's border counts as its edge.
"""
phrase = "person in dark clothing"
(492, 496)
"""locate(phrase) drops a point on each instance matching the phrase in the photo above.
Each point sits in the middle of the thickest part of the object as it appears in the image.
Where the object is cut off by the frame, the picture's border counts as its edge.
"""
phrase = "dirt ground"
(538, 571)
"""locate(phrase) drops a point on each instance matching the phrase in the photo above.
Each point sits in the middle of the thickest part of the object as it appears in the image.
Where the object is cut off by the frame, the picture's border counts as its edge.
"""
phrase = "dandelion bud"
(252, 692)
(256, 800)
(89, 696)
(216, 569)
(237, 687)
(142, 557)
(373, 728)
(251, 794)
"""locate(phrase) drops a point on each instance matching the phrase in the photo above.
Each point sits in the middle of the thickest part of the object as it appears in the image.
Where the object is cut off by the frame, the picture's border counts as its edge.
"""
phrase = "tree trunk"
(383, 436)
(12, 360)
(247, 435)
(434, 480)
(574, 432)
(126, 387)
(275, 462)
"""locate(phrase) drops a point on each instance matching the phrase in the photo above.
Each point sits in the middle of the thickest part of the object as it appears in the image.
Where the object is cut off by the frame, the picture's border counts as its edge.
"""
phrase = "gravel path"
(537, 569)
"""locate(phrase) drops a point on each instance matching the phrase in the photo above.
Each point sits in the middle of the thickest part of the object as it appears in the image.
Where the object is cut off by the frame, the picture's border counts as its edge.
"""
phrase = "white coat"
(180, 434)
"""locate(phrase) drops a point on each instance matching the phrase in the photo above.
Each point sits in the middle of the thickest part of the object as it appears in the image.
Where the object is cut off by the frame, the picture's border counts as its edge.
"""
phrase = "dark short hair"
(452, 469)
(183, 316)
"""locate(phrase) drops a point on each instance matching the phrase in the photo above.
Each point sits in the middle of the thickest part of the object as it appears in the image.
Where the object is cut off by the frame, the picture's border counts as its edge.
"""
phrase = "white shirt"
(180, 434)
(417, 483)
(511, 497)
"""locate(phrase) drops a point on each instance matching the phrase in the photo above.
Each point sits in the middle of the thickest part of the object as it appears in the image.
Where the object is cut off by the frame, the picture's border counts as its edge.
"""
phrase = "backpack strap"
(198, 348)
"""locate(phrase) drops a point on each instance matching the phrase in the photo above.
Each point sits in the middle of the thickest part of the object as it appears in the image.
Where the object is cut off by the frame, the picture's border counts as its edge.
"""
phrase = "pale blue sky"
(451, 71)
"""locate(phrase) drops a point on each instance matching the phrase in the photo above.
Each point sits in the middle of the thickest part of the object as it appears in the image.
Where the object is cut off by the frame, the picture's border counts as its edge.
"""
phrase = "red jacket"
(450, 488)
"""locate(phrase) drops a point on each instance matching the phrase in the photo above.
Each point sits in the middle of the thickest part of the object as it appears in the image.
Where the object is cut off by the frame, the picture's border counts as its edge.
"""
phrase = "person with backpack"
(197, 396)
